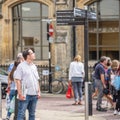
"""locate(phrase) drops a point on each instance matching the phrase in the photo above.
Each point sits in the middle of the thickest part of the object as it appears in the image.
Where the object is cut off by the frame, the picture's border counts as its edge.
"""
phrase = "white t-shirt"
(29, 77)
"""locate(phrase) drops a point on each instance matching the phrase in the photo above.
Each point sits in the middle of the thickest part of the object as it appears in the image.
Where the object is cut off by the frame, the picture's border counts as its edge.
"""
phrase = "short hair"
(25, 53)
(103, 58)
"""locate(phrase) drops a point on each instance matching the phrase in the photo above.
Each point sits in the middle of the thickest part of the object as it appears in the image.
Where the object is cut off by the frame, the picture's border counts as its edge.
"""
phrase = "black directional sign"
(66, 17)
(74, 17)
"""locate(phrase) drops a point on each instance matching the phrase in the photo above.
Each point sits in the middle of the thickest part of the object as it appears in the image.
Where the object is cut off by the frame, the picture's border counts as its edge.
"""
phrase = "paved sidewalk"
(57, 107)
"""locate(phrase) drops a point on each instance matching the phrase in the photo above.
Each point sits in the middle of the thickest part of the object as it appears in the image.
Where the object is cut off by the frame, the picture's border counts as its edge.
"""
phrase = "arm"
(103, 80)
(19, 86)
(39, 93)
(9, 81)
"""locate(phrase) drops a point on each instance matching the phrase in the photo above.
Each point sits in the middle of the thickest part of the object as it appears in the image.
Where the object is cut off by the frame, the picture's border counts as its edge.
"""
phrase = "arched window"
(30, 29)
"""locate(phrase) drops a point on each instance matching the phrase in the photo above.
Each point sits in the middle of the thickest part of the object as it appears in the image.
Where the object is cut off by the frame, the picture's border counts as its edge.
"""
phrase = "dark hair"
(16, 63)
(26, 52)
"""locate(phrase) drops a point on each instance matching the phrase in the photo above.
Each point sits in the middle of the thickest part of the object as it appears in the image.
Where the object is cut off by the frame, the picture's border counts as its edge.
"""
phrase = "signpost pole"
(86, 64)
(74, 34)
(50, 33)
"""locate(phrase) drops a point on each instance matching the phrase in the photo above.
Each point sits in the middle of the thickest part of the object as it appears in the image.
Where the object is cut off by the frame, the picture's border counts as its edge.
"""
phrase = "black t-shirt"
(99, 69)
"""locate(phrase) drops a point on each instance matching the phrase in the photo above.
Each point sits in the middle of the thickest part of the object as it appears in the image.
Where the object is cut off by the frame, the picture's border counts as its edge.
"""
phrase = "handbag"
(69, 93)
(12, 105)
(116, 82)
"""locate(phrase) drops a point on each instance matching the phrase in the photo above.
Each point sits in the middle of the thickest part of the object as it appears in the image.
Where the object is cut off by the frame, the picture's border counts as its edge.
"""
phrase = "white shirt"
(76, 69)
(28, 75)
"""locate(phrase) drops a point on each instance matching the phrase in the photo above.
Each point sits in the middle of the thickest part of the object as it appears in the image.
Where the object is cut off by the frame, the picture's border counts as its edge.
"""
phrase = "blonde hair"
(77, 58)
(115, 64)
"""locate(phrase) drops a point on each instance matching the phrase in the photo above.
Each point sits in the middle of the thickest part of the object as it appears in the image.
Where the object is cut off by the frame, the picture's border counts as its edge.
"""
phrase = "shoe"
(115, 112)
(6, 119)
(101, 109)
(79, 103)
(119, 113)
(76, 103)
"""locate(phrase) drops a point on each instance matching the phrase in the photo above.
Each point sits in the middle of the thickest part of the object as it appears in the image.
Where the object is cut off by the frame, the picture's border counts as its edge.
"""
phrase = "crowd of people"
(105, 73)
(104, 78)
(23, 79)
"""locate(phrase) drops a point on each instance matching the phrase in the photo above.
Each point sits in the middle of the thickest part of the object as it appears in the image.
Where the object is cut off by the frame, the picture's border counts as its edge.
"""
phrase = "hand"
(70, 83)
(7, 89)
(104, 86)
(21, 97)
(38, 96)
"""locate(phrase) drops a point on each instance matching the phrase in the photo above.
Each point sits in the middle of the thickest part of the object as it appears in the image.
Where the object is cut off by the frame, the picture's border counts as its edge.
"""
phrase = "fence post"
(0, 102)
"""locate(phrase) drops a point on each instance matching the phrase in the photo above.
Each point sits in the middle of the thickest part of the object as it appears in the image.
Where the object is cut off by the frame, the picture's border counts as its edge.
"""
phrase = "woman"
(114, 72)
(76, 75)
(12, 85)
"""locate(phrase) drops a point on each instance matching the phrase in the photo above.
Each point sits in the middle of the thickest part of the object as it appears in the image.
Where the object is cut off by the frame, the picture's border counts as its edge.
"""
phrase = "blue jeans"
(11, 95)
(77, 88)
(30, 104)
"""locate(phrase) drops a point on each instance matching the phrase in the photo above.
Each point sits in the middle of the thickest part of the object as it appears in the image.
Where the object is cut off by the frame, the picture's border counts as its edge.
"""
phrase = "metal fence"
(44, 77)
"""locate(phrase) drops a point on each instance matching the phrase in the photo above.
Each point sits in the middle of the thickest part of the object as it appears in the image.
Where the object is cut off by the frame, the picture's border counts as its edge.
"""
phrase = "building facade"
(23, 24)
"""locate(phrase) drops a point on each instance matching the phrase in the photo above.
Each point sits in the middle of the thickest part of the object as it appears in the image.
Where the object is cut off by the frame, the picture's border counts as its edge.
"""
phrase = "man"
(27, 86)
(100, 81)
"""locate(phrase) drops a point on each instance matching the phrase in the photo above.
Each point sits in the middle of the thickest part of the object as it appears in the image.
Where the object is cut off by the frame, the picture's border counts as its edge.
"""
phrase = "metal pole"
(50, 75)
(86, 65)
(0, 102)
(90, 98)
(86, 101)
(74, 33)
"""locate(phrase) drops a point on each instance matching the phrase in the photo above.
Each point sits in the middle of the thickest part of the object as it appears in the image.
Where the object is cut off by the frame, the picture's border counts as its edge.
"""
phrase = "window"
(30, 30)
(104, 32)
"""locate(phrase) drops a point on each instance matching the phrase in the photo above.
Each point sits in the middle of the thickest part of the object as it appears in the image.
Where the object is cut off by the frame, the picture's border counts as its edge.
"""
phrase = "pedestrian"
(19, 58)
(28, 88)
(93, 78)
(76, 76)
(12, 86)
(100, 81)
(106, 91)
(114, 66)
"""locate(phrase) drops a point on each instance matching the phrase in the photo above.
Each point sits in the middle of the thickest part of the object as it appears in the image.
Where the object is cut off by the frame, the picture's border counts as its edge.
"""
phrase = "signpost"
(74, 17)
(66, 17)
(80, 17)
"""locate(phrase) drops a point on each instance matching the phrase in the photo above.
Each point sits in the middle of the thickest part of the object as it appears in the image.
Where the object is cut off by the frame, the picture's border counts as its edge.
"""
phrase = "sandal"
(79, 103)
(76, 103)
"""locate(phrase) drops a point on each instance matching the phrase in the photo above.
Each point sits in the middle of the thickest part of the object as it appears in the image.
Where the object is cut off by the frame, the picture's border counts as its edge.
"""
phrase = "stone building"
(23, 24)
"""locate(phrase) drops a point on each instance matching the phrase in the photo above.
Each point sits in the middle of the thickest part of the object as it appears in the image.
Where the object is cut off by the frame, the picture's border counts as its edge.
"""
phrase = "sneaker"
(119, 113)
(115, 112)
(101, 109)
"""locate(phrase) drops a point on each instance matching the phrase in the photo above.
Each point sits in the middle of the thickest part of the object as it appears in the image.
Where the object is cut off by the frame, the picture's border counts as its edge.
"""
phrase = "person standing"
(27, 77)
(100, 81)
(76, 76)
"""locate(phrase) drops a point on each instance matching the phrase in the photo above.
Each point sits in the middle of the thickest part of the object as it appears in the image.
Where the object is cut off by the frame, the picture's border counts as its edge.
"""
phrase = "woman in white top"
(76, 76)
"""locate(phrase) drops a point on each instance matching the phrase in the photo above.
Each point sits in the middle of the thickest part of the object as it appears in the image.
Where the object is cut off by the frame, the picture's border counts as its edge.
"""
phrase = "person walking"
(27, 77)
(12, 87)
(11, 83)
(100, 81)
(76, 76)
(114, 72)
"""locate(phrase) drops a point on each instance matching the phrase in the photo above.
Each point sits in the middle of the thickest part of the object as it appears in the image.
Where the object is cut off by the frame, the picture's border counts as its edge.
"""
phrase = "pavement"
(58, 107)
